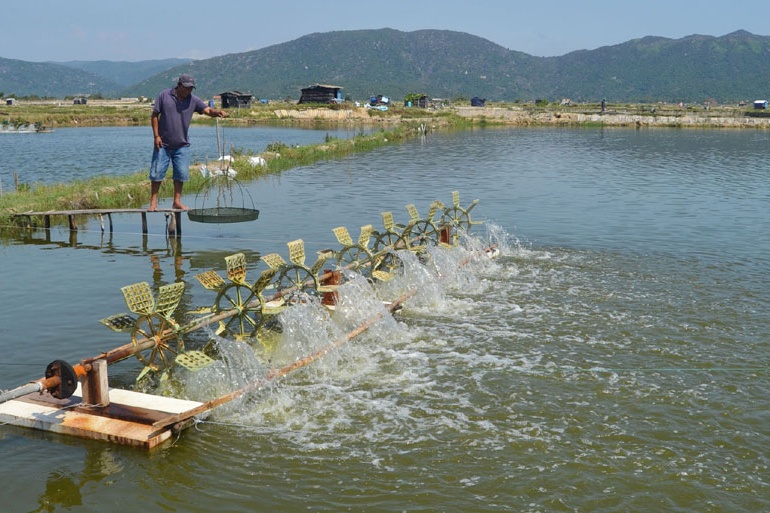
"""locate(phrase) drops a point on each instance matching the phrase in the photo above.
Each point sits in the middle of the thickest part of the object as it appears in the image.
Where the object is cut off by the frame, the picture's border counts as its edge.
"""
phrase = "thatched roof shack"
(235, 99)
(320, 93)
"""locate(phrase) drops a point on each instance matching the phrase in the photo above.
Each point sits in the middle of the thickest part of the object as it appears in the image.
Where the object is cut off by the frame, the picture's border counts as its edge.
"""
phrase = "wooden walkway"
(174, 226)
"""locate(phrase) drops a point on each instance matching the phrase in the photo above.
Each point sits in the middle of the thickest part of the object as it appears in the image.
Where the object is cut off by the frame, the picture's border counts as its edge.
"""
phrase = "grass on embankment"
(133, 191)
(60, 114)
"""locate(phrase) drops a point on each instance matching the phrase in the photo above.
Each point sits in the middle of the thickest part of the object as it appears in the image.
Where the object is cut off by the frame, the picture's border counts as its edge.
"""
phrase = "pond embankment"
(641, 117)
(633, 116)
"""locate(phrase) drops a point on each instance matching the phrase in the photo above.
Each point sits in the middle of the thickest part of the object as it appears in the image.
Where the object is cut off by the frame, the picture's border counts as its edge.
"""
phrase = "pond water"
(68, 154)
(613, 358)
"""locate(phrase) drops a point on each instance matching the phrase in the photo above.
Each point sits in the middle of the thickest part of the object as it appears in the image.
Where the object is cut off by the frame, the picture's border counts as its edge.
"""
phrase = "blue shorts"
(179, 158)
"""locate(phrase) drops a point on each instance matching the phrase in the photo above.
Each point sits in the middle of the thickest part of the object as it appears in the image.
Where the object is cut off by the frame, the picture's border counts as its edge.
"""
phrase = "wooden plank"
(157, 402)
(95, 211)
(134, 419)
(64, 421)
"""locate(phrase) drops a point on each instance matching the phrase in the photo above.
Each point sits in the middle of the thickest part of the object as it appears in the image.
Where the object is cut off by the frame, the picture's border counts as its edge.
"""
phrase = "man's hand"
(215, 113)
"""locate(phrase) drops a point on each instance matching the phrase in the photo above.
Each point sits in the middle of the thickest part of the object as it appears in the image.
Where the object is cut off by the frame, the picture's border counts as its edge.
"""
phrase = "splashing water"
(309, 328)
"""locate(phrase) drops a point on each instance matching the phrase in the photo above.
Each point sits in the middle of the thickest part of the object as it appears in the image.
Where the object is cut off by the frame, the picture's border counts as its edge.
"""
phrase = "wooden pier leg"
(178, 216)
(46, 222)
(144, 222)
(101, 222)
(109, 218)
(73, 223)
(171, 224)
(96, 390)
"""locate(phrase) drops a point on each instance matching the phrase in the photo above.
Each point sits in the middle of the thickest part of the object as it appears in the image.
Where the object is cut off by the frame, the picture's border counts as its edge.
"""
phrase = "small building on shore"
(321, 93)
(416, 100)
(760, 104)
(235, 99)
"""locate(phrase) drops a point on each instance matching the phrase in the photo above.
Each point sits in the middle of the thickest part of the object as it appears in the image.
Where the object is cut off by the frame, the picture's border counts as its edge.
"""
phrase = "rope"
(198, 422)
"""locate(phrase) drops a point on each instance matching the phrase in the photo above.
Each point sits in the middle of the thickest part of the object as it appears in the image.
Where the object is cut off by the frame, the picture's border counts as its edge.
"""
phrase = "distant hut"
(760, 104)
(235, 99)
(478, 102)
(416, 100)
(320, 93)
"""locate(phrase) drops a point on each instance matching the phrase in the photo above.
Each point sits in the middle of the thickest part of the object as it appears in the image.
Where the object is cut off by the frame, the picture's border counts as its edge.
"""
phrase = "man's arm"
(157, 141)
(214, 113)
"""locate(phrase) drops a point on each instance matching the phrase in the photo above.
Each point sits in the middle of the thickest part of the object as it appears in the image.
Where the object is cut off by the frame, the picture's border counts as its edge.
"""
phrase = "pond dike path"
(577, 115)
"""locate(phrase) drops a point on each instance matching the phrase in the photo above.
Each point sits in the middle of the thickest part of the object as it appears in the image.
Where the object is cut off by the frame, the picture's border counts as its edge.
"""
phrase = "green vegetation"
(60, 114)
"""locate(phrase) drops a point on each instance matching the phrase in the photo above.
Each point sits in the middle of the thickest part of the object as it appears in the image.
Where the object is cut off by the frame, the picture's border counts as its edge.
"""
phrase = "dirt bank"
(641, 117)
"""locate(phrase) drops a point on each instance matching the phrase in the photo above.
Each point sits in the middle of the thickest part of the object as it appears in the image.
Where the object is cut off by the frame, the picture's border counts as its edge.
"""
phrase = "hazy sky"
(136, 30)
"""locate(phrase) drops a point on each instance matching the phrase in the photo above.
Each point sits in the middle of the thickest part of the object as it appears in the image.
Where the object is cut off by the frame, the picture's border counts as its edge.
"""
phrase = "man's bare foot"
(180, 206)
(153, 207)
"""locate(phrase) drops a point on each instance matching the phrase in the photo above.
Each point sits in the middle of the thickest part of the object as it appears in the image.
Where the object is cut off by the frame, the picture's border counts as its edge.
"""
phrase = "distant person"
(604, 105)
(170, 122)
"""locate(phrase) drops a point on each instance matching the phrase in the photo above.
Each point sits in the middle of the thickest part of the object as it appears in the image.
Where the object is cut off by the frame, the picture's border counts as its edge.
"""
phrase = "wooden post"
(171, 224)
(333, 278)
(445, 234)
(73, 223)
(101, 222)
(109, 218)
(47, 222)
(96, 390)
(178, 216)
(144, 222)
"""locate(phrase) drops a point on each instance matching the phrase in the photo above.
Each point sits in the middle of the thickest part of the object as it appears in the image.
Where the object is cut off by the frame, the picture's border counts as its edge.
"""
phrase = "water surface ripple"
(614, 358)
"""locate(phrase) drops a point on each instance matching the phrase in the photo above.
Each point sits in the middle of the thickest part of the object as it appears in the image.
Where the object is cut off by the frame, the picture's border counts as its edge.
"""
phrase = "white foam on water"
(468, 359)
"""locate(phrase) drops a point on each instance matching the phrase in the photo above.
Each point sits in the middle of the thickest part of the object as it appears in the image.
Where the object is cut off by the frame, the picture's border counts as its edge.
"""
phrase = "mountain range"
(438, 63)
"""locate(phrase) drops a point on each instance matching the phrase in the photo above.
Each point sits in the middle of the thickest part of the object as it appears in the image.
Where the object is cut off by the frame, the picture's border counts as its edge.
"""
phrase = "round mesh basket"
(222, 191)
(222, 215)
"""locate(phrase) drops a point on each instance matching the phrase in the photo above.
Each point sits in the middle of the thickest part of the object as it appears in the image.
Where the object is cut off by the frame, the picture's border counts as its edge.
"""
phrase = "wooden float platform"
(131, 418)
(174, 228)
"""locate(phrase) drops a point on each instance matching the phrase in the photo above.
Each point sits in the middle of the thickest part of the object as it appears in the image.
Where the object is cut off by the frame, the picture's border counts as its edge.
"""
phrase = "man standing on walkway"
(170, 122)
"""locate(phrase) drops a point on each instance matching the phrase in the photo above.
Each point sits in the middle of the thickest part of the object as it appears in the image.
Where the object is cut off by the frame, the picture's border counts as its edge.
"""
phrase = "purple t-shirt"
(175, 116)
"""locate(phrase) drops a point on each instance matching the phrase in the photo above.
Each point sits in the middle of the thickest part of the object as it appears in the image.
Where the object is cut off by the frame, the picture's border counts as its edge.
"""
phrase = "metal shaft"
(23, 390)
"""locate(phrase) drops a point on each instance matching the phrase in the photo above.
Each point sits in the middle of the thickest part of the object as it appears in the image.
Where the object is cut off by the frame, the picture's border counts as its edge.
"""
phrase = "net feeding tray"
(225, 188)
(222, 215)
